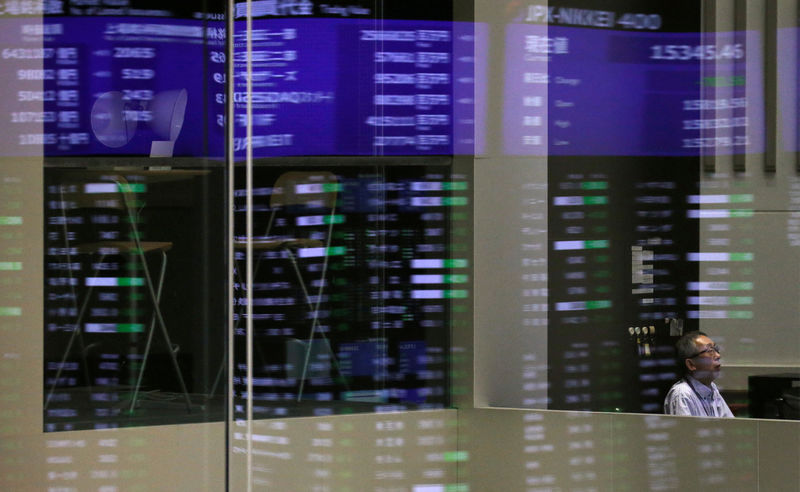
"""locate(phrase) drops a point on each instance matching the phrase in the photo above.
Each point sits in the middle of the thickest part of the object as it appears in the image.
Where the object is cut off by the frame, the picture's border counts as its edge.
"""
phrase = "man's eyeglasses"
(715, 348)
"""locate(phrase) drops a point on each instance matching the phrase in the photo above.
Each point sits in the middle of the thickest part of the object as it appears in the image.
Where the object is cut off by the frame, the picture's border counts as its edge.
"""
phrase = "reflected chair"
(109, 191)
(301, 190)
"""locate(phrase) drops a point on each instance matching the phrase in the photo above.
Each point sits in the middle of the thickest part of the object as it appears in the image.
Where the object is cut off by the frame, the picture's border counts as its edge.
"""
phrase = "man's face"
(706, 364)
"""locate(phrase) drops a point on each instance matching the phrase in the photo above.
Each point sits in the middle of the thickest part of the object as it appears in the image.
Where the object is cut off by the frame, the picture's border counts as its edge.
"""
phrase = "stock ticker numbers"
(726, 286)
(92, 290)
(577, 91)
(403, 89)
(121, 290)
(358, 312)
(111, 85)
(614, 258)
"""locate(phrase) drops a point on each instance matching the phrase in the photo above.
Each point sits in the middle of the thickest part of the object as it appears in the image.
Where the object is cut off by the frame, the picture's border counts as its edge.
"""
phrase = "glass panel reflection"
(128, 118)
(354, 270)
(128, 339)
(354, 278)
(636, 153)
(107, 83)
(399, 85)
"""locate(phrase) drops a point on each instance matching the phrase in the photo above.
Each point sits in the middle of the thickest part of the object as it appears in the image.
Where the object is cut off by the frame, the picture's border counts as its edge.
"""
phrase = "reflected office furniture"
(114, 191)
(774, 396)
(309, 198)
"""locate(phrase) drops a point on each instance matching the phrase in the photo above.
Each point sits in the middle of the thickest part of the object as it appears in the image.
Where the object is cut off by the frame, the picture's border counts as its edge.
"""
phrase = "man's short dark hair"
(686, 347)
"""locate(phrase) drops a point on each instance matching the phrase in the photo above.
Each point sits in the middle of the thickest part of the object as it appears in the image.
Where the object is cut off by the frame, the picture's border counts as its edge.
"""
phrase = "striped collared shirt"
(691, 397)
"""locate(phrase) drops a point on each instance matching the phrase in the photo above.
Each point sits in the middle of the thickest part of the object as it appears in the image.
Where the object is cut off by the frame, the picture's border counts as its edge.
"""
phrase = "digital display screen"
(616, 261)
(355, 277)
(114, 86)
(591, 91)
(357, 87)
(618, 233)
(123, 297)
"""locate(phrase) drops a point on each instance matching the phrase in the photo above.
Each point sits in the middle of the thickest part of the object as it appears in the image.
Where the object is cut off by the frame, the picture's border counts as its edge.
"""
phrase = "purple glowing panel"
(788, 87)
(470, 87)
(361, 358)
(573, 91)
(355, 87)
(114, 86)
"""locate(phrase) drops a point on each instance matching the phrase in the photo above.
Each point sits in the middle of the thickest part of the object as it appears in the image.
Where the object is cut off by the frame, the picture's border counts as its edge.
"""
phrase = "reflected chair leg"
(76, 330)
(73, 280)
(150, 331)
(156, 308)
(221, 369)
(160, 319)
(219, 375)
(236, 323)
(77, 333)
(240, 315)
(313, 326)
(315, 310)
(266, 234)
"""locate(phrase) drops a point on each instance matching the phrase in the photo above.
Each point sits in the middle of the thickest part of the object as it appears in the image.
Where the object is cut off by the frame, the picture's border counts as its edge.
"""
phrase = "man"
(695, 393)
